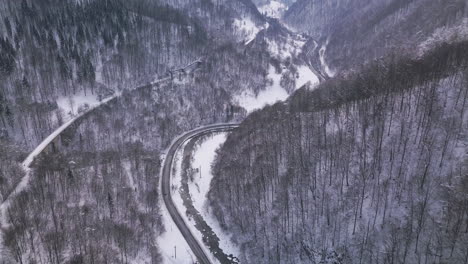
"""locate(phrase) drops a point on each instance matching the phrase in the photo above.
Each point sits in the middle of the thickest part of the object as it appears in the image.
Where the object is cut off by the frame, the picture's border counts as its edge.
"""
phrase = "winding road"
(166, 185)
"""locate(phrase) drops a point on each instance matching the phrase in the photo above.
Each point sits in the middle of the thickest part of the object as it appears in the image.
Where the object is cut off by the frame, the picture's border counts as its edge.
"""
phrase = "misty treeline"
(367, 168)
(356, 31)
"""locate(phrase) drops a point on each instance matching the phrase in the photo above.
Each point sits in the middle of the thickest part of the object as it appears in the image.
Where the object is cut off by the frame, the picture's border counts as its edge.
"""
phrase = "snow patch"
(74, 104)
(172, 245)
(305, 75)
(270, 95)
(202, 159)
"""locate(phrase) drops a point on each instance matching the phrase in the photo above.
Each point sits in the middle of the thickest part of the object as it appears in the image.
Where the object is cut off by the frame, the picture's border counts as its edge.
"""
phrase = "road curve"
(166, 185)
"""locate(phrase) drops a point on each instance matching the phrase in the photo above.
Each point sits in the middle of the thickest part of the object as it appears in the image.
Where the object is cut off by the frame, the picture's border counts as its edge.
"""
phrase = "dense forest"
(371, 167)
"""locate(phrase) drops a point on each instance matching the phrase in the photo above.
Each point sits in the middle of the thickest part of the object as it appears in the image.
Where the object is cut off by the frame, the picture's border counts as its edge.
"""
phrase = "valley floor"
(172, 245)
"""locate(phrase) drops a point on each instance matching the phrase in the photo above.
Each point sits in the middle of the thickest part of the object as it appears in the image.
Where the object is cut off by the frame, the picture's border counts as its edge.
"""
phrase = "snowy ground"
(274, 92)
(203, 158)
(306, 75)
(172, 245)
(71, 105)
(271, 94)
(283, 49)
(273, 9)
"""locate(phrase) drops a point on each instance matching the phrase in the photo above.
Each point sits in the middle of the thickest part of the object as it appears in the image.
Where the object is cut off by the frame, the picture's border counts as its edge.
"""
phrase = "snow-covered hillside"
(367, 167)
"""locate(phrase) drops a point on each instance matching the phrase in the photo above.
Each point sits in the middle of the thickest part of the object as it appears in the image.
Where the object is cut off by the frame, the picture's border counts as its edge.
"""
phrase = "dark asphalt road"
(166, 186)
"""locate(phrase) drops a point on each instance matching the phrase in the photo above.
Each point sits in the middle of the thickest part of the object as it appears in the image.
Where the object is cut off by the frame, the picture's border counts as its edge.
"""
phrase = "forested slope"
(367, 168)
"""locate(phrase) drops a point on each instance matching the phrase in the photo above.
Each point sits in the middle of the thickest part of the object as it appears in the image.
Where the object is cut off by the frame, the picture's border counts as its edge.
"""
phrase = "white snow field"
(306, 75)
(270, 95)
(274, 92)
(71, 105)
(172, 245)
